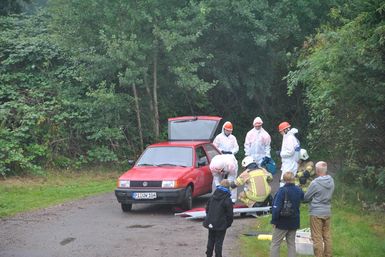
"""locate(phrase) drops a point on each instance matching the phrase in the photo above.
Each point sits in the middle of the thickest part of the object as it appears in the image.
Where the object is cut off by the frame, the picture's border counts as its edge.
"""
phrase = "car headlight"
(124, 183)
(169, 183)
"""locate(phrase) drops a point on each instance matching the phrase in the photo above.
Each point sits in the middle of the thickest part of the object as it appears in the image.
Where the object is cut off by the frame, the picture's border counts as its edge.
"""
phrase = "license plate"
(145, 195)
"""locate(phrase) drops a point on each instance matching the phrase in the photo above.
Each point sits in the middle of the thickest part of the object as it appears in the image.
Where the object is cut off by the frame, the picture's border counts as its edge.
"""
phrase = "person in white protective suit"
(290, 149)
(257, 142)
(224, 166)
(226, 142)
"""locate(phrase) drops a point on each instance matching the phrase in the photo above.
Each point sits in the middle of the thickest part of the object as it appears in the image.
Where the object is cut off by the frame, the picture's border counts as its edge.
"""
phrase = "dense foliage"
(8, 7)
(49, 112)
(27, 93)
(250, 41)
(90, 81)
(343, 71)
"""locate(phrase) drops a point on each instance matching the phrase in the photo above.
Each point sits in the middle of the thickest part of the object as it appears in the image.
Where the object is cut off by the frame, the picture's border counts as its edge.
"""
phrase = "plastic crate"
(304, 246)
(303, 242)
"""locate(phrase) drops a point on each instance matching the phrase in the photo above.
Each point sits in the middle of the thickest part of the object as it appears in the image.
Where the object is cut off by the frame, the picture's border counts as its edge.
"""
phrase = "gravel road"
(96, 227)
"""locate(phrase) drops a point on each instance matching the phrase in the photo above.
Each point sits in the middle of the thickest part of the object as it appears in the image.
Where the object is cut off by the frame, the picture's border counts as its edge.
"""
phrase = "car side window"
(211, 151)
(201, 157)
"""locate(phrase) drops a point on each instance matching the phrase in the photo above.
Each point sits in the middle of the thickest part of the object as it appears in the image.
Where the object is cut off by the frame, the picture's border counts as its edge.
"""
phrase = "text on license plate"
(144, 195)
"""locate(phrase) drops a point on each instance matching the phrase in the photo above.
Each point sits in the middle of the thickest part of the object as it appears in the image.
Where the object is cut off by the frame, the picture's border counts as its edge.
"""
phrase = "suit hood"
(293, 131)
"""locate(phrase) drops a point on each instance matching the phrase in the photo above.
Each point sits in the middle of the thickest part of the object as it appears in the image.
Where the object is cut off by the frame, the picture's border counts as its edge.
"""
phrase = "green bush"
(102, 154)
(342, 69)
(365, 184)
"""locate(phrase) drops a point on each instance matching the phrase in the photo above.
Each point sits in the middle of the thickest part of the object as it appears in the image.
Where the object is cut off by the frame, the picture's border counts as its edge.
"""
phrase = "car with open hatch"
(174, 171)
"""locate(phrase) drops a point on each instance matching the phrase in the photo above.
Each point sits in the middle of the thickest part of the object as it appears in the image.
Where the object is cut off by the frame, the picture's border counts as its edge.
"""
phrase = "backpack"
(287, 208)
(268, 164)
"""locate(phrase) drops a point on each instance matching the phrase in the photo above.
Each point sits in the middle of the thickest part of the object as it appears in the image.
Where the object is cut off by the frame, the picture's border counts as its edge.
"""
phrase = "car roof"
(179, 143)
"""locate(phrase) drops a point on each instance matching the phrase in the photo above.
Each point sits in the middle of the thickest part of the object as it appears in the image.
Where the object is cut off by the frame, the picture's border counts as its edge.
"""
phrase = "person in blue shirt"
(286, 226)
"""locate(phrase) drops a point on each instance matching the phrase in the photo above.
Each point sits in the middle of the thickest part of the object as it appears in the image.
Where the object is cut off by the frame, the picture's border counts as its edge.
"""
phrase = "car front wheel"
(187, 203)
(126, 207)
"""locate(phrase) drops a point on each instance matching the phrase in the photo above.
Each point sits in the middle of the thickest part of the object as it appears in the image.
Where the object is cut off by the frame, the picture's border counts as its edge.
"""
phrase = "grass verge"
(19, 194)
(355, 233)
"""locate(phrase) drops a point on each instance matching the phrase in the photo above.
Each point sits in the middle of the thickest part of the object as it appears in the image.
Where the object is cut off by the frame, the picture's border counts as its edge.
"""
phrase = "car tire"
(187, 202)
(126, 207)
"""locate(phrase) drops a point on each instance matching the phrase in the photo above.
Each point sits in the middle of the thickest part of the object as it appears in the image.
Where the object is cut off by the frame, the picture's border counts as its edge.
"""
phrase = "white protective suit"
(226, 143)
(223, 165)
(290, 152)
(257, 144)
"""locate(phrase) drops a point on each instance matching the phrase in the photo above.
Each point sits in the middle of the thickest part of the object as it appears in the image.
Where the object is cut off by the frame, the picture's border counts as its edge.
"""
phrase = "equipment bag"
(268, 164)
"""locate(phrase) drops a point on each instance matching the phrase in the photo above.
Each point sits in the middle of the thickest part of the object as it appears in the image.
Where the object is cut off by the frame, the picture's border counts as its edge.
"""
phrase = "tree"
(28, 93)
(146, 42)
(250, 44)
(111, 72)
(8, 7)
(342, 69)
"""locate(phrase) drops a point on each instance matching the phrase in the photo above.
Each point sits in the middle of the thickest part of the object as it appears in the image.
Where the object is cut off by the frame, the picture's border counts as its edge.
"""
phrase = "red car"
(175, 171)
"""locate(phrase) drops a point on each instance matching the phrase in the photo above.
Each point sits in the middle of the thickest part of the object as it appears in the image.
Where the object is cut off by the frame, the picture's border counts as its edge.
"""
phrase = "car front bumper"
(163, 196)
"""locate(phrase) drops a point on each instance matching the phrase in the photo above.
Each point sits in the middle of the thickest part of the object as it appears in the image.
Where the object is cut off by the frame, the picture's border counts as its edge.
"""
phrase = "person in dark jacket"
(219, 217)
(286, 226)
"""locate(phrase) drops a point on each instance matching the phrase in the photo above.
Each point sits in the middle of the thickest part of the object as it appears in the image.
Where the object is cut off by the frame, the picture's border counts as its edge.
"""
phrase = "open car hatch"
(194, 128)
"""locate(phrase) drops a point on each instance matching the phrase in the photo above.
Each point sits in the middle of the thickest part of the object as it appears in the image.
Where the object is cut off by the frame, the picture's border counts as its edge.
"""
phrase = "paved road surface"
(96, 227)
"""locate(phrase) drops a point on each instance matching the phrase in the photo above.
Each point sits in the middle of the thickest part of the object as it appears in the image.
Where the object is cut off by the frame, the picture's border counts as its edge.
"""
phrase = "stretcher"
(200, 213)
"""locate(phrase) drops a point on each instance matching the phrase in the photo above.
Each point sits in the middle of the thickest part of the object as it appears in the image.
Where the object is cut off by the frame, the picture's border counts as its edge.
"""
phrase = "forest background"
(92, 82)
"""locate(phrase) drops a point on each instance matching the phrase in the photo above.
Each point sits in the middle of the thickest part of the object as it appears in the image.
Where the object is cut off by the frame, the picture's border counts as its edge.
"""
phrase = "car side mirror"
(131, 162)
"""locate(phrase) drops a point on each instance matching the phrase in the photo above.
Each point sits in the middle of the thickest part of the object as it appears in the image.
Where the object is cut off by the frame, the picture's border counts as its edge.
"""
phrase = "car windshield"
(166, 156)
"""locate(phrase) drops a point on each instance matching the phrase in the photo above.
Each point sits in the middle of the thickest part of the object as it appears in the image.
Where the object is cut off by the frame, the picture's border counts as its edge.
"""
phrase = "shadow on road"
(166, 209)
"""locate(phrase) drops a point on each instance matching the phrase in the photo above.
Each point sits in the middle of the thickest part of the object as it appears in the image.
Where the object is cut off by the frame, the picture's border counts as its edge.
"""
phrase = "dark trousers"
(216, 238)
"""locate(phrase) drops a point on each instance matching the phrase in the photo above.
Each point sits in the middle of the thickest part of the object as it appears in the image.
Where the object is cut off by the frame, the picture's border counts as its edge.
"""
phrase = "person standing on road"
(319, 194)
(226, 142)
(290, 149)
(286, 226)
(224, 166)
(219, 217)
(257, 142)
